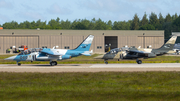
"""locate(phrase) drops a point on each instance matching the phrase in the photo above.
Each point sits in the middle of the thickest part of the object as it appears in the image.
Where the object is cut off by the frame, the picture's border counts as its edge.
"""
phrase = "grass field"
(102, 86)
(91, 60)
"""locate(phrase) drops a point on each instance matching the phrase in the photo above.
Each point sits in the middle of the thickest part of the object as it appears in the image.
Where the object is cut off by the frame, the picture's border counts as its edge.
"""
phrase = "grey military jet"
(138, 53)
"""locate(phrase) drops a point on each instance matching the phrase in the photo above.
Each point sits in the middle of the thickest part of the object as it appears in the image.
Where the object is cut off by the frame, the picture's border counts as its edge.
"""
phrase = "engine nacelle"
(66, 57)
(151, 55)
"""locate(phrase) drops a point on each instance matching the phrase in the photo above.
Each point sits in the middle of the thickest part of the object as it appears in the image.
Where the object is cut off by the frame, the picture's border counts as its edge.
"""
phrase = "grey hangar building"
(70, 39)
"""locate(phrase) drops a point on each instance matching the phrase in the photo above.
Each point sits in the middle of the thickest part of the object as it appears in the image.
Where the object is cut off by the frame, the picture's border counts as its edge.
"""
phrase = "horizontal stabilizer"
(87, 53)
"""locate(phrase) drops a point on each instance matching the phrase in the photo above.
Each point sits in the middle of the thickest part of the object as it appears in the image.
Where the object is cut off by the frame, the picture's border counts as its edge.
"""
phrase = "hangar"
(70, 39)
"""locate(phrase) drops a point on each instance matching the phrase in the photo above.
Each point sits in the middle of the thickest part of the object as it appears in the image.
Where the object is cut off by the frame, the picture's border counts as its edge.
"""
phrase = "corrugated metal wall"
(65, 38)
(98, 44)
(61, 41)
(64, 41)
(1, 45)
(8, 41)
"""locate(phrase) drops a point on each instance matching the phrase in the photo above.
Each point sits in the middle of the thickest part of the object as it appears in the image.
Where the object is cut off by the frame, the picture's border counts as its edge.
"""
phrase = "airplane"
(138, 53)
(53, 55)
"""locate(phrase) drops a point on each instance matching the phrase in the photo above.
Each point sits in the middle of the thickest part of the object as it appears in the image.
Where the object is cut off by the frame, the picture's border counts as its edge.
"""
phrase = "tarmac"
(46, 68)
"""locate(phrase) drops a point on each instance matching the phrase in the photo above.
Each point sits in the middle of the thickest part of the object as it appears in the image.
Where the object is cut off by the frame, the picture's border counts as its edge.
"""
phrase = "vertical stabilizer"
(86, 44)
(169, 44)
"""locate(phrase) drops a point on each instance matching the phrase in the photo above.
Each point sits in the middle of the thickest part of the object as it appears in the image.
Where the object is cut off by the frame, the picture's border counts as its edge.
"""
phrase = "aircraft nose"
(10, 58)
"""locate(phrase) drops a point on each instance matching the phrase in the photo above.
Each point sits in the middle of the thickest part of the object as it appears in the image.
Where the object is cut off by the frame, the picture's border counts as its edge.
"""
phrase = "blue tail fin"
(86, 44)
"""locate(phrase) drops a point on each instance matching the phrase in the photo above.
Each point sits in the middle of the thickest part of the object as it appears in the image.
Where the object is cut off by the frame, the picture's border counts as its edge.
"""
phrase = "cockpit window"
(29, 51)
(25, 52)
(114, 51)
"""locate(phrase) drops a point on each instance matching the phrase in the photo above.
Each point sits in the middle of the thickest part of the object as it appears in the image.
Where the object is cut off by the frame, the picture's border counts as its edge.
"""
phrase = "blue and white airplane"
(53, 55)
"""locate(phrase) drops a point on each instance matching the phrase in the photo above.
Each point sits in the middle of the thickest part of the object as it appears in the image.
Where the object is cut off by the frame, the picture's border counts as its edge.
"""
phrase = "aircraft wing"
(49, 52)
(87, 53)
(137, 51)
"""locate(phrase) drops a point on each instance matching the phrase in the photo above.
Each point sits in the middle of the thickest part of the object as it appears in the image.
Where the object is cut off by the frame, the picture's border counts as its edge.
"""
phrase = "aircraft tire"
(52, 63)
(106, 62)
(19, 64)
(55, 62)
(139, 62)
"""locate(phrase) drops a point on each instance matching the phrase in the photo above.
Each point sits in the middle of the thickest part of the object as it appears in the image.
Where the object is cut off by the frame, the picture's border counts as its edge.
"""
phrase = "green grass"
(102, 86)
(91, 60)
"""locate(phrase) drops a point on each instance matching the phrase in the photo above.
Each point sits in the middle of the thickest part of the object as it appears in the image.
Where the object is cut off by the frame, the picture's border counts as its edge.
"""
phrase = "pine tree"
(161, 19)
(135, 23)
(168, 18)
(144, 20)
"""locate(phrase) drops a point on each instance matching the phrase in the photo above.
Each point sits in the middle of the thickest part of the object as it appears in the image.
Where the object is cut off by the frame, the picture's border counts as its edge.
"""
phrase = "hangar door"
(111, 41)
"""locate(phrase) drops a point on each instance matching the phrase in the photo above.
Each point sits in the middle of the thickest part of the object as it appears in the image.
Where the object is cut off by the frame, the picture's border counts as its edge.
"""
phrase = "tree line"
(169, 23)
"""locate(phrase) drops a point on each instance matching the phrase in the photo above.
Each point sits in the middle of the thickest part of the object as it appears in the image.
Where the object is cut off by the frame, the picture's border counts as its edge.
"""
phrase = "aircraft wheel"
(55, 62)
(105, 61)
(52, 63)
(139, 62)
(19, 64)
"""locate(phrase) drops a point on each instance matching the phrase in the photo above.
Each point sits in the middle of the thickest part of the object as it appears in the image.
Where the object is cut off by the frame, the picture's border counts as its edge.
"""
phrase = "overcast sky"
(114, 10)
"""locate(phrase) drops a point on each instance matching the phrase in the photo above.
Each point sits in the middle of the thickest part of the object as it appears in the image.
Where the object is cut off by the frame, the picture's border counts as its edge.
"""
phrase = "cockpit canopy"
(29, 51)
(114, 51)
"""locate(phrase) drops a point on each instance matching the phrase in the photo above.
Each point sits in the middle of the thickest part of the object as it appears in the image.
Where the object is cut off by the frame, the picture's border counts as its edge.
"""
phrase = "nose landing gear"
(19, 64)
(105, 61)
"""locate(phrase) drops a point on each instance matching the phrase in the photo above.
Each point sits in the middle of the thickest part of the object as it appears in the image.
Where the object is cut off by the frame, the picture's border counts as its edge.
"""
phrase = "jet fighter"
(138, 53)
(53, 55)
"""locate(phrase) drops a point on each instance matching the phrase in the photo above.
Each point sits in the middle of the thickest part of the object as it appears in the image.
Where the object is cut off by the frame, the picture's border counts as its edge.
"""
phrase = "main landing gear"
(139, 61)
(53, 63)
